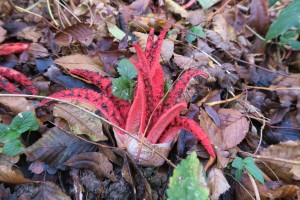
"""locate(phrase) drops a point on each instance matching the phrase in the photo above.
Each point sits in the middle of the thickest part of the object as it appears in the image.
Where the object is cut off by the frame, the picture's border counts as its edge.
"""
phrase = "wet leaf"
(80, 61)
(55, 148)
(50, 191)
(94, 161)
(80, 122)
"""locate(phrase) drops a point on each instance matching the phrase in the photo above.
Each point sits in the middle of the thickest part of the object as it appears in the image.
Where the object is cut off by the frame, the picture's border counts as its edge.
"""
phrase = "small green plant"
(249, 165)
(10, 135)
(123, 87)
(197, 30)
(287, 26)
(188, 180)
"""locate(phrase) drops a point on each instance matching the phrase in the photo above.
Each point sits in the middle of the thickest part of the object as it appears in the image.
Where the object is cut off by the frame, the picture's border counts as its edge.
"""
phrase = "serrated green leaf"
(12, 148)
(4, 130)
(207, 3)
(237, 163)
(123, 88)
(23, 122)
(286, 19)
(198, 30)
(126, 69)
(253, 169)
(186, 179)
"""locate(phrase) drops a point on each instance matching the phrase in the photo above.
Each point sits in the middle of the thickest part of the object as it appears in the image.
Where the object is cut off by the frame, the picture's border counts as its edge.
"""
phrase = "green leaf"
(115, 31)
(253, 169)
(197, 30)
(126, 69)
(123, 88)
(238, 174)
(286, 19)
(272, 2)
(292, 43)
(188, 181)
(12, 148)
(4, 130)
(23, 122)
(237, 163)
(207, 3)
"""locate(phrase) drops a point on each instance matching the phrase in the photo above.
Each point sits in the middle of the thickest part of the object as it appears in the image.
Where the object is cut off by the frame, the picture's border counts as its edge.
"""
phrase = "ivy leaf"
(198, 30)
(188, 180)
(253, 169)
(288, 18)
(126, 69)
(123, 88)
(23, 122)
(12, 148)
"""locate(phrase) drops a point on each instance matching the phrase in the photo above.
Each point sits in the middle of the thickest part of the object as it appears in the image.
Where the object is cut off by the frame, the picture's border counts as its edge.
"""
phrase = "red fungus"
(10, 48)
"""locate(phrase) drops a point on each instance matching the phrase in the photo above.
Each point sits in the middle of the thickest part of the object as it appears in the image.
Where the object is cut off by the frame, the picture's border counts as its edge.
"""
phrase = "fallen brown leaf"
(217, 183)
(16, 104)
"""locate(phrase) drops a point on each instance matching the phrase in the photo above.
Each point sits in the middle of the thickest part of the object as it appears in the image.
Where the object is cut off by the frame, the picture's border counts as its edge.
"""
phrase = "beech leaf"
(11, 174)
(80, 122)
(126, 69)
(217, 183)
(50, 191)
(55, 148)
(94, 161)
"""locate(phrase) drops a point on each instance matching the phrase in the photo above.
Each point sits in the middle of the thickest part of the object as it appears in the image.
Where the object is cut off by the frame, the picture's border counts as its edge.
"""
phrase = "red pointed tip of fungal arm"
(105, 85)
(193, 127)
(9, 87)
(18, 77)
(160, 126)
(99, 100)
(177, 92)
(10, 48)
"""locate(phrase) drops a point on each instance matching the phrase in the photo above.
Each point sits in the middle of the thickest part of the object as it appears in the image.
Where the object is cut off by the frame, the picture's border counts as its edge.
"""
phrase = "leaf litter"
(248, 107)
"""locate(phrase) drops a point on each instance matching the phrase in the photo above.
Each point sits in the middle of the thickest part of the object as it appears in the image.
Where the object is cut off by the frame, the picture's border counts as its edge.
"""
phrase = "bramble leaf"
(186, 179)
(253, 169)
(197, 30)
(126, 69)
(4, 130)
(12, 147)
(23, 122)
(123, 88)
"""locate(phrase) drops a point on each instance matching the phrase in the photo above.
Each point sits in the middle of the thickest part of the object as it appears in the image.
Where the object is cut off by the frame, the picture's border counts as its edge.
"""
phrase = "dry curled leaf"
(289, 150)
(94, 161)
(127, 175)
(175, 8)
(80, 61)
(259, 17)
(80, 122)
(217, 183)
(11, 174)
(79, 32)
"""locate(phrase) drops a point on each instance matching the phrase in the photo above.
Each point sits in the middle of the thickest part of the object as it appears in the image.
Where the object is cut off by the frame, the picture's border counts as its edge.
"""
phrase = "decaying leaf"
(80, 122)
(127, 174)
(289, 150)
(50, 191)
(259, 17)
(16, 104)
(234, 127)
(80, 61)
(78, 32)
(94, 161)
(217, 183)
(55, 148)
(185, 62)
(224, 29)
(11, 174)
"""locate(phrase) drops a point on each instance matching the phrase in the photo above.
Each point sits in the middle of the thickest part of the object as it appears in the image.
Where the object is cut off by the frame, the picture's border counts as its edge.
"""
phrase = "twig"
(224, 101)
(260, 137)
(255, 33)
(268, 158)
(272, 89)
(93, 114)
(254, 186)
(50, 13)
